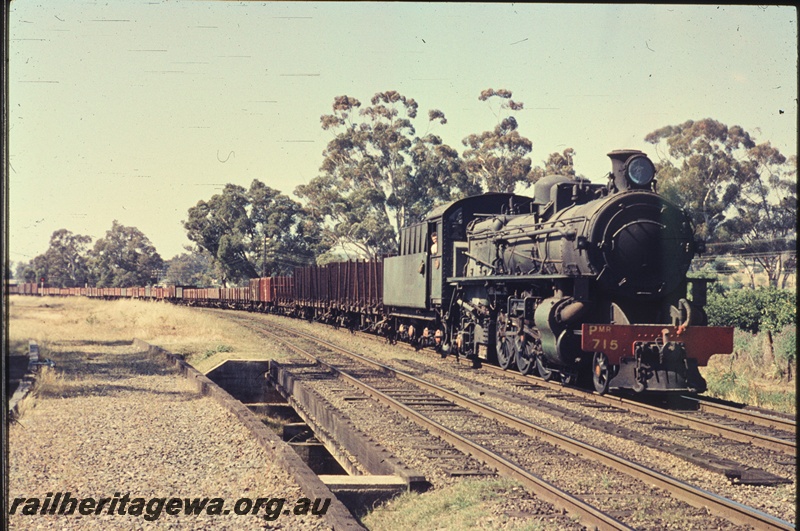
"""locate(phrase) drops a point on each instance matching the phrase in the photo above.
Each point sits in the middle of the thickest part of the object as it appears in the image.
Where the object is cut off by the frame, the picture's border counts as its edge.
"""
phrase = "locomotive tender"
(581, 279)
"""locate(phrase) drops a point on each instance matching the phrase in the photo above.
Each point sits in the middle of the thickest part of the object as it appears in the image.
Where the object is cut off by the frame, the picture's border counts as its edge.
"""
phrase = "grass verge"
(750, 376)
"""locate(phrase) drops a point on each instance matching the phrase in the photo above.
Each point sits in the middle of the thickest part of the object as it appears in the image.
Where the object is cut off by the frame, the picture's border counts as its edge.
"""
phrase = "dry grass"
(470, 504)
(203, 338)
(50, 382)
(76, 332)
(24, 406)
(745, 377)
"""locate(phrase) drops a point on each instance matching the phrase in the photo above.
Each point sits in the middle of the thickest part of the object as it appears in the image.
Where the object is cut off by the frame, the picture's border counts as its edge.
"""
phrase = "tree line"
(385, 166)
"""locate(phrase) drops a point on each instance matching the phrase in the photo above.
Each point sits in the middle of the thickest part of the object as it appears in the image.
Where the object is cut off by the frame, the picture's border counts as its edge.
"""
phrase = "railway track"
(746, 427)
(484, 432)
(530, 397)
(748, 414)
(762, 428)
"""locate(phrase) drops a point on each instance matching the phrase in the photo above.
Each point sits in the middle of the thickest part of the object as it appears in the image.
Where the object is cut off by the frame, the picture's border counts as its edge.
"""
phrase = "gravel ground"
(112, 422)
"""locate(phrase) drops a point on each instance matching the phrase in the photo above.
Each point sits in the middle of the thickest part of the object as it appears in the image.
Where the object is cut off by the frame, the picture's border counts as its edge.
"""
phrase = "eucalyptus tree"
(497, 160)
(66, 259)
(766, 215)
(701, 169)
(741, 195)
(192, 268)
(222, 227)
(556, 164)
(285, 235)
(252, 232)
(63, 264)
(377, 174)
(32, 271)
(124, 257)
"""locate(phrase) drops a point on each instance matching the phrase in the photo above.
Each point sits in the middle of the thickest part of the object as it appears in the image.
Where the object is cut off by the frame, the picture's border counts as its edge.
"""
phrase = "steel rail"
(543, 489)
(785, 446)
(718, 505)
(744, 415)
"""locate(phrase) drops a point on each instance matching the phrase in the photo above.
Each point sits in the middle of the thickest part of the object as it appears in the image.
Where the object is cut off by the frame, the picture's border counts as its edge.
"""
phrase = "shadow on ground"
(105, 372)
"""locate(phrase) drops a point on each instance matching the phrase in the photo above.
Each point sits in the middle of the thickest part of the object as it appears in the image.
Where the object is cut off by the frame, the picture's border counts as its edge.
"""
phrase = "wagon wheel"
(546, 373)
(505, 350)
(601, 373)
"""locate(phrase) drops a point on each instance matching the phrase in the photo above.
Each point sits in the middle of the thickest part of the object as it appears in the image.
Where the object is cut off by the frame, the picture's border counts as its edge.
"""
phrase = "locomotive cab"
(418, 286)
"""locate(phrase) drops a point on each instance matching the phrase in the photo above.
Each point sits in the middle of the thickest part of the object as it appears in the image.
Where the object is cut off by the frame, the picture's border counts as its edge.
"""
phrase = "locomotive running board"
(503, 278)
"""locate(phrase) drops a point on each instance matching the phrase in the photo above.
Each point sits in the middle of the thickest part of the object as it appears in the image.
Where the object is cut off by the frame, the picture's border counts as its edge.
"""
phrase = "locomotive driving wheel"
(601, 373)
(546, 373)
(505, 351)
(525, 361)
(526, 351)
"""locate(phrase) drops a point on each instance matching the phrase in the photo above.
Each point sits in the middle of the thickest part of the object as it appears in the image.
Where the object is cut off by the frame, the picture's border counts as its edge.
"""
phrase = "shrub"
(753, 310)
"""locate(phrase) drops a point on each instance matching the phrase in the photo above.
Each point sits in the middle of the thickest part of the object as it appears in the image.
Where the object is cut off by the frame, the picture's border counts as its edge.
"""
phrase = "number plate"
(616, 341)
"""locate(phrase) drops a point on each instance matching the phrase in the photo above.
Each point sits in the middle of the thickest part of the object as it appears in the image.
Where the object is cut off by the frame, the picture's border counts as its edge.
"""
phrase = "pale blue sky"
(135, 110)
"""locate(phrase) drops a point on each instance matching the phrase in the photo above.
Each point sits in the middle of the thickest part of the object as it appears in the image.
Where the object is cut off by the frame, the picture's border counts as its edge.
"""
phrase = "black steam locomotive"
(580, 279)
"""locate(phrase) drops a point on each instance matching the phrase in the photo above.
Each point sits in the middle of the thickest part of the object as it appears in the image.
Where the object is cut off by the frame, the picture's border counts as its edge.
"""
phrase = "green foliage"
(723, 384)
(469, 504)
(31, 271)
(123, 258)
(63, 265)
(740, 193)
(703, 173)
(747, 376)
(190, 269)
(252, 232)
(378, 175)
(777, 400)
(210, 352)
(556, 164)
(498, 159)
(785, 344)
(753, 310)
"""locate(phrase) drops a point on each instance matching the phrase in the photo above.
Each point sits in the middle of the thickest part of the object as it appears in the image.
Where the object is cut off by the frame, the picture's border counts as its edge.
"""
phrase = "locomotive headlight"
(640, 170)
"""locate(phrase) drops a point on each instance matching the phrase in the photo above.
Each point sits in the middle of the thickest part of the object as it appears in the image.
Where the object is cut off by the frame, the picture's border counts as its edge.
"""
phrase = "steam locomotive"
(580, 280)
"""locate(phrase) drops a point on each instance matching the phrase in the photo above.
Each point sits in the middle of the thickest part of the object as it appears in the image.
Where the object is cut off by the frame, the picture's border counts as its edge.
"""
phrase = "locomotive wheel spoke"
(505, 351)
(505, 355)
(521, 354)
(601, 373)
(544, 372)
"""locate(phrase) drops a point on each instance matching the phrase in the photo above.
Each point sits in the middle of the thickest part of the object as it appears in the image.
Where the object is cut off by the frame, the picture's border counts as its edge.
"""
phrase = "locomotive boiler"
(585, 279)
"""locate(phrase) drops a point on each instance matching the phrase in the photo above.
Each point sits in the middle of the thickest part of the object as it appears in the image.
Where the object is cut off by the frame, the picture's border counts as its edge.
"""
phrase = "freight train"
(580, 280)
